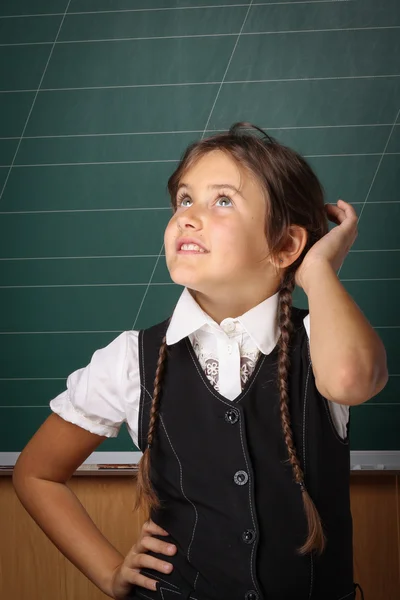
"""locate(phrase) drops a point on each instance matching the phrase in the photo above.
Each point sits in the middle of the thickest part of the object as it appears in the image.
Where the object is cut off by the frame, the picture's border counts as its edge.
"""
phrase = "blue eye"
(184, 197)
(181, 199)
(225, 198)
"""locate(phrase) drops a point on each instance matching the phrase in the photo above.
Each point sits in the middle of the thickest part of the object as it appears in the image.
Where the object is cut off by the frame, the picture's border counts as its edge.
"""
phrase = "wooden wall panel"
(376, 543)
(31, 568)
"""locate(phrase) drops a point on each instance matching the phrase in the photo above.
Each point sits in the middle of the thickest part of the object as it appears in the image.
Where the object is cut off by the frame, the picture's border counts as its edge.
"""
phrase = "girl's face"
(221, 208)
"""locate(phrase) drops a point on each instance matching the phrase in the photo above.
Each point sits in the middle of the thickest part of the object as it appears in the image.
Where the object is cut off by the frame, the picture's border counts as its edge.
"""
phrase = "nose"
(190, 219)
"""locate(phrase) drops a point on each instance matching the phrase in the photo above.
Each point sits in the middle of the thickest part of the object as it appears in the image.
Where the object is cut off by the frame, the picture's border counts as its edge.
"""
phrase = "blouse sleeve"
(95, 398)
(340, 413)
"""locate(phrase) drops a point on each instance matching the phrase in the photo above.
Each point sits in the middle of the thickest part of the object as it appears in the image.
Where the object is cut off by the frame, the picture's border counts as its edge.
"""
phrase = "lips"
(187, 241)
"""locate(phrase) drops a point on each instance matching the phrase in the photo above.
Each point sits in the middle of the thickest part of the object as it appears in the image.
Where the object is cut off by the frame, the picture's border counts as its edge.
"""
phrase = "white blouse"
(106, 393)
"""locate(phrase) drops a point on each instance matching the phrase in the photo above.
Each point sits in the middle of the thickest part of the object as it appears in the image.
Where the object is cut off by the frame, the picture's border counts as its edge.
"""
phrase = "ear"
(293, 247)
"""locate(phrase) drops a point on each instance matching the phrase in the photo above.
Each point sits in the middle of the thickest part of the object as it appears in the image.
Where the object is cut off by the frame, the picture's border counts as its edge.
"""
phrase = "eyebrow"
(215, 186)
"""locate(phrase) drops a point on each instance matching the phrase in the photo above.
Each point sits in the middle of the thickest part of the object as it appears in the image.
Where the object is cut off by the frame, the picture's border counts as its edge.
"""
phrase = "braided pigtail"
(316, 538)
(146, 497)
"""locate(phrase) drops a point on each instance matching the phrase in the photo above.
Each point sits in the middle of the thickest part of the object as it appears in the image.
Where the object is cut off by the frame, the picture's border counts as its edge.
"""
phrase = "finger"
(138, 579)
(140, 561)
(151, 527)
(156, 545)
(335, 208)
(339, 214)
(335, 214)
(348, 208)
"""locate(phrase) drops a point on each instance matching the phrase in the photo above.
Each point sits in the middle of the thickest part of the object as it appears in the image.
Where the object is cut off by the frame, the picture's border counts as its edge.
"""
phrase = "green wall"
(98, 99)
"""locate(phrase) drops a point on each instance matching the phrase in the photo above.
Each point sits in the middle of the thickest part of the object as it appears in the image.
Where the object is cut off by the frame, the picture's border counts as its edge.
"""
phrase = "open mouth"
(191, 249)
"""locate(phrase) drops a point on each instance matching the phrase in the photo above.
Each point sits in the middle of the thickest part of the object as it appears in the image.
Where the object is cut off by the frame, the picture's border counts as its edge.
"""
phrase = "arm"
(39, 478)
(89, 411)
(348, 357)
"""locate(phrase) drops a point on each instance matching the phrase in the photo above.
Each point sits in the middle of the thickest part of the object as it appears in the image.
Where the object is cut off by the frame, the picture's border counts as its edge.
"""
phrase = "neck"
(230, 304)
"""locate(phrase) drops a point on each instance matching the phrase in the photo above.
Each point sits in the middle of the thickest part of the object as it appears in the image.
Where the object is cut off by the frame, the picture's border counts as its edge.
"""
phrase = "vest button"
(232, 416)
(240, 478)
(248, 536)
(251, 595)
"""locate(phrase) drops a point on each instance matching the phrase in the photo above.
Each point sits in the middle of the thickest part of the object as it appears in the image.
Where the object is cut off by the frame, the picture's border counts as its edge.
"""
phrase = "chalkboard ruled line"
(183, 131)
(79, 210)
(84, 285)
(95, 331)
(212, 6)
(94, 257)
(200, 83)
(108, 162)
(83, 331)
(227, 82)
(33, 378)
(169, 8)
(29, 16)
(173, 160)
(144, 208)
(126, 86)
(148, 286)
(80, 285)
(145, 255)
(201, 35)
(378, 166)
(34, 100)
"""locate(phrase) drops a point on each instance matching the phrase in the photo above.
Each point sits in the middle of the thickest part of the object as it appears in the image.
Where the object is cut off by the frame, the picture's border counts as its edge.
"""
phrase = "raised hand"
(333, 247)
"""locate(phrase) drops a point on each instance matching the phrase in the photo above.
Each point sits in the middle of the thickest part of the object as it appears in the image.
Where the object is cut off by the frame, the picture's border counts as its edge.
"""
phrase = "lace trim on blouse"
(210, 363)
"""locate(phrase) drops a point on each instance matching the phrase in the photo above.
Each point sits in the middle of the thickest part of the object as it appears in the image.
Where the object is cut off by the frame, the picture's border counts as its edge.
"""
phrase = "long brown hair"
(294, 197)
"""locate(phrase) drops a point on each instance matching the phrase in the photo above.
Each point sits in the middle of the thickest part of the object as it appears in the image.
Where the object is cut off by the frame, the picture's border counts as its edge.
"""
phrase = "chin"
(189, 282)
(187, 279)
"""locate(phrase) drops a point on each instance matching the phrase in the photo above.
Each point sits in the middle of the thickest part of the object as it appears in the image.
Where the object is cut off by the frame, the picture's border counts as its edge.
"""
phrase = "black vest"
(229, 500)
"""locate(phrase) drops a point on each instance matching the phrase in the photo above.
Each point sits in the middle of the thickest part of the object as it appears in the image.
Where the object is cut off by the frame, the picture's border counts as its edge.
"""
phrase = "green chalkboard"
(99, 98)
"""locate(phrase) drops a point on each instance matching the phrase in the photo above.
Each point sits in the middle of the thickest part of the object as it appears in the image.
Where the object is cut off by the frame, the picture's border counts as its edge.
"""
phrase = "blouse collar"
(259, 322)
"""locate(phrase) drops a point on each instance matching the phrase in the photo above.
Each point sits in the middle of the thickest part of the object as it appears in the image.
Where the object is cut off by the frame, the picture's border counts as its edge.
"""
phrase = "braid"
(315, 539)
(146, 497)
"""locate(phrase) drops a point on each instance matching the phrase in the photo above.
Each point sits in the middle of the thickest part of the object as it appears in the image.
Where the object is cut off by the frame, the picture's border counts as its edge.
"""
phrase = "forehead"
(218, 167)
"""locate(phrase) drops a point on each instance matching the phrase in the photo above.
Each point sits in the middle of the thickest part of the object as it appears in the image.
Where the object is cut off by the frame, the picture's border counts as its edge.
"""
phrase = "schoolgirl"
(239, 401)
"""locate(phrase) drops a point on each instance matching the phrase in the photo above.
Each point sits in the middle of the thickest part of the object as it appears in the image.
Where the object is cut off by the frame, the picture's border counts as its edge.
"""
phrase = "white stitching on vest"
(337, 436)
(142, 411)
(304, 455)
(195, 581)
(147, 391)
(163, 588)
(312, 575)
(181, 483)
(244, 453)
(144, 595)
(251, 507)
(254, 377)
(346, 596)
(158, 578)
(144, 388)
(304, 419)
(168, 590)
(141, 441)
(174, 592)
(201, 376)
(228, 403)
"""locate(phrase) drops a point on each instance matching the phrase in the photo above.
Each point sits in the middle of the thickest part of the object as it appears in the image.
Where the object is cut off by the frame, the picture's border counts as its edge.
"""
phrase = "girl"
(243, 422)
